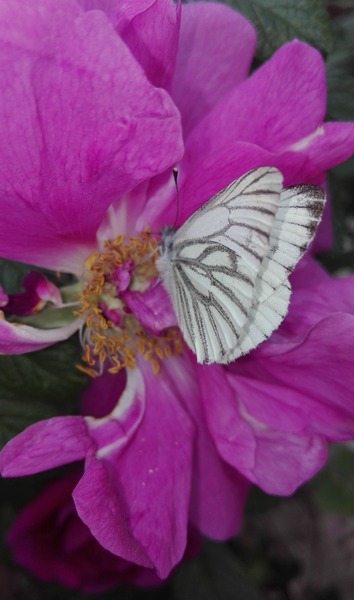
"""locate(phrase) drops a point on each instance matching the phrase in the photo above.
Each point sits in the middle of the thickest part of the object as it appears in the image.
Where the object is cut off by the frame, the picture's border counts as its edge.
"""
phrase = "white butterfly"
(227, 267)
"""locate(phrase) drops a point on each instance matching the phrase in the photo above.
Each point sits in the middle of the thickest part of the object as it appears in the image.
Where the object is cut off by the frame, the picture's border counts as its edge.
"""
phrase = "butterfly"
(226, 268)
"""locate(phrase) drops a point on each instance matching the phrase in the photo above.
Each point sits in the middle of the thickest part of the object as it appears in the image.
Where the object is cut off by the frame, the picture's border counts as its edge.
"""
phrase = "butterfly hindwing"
(296, 220)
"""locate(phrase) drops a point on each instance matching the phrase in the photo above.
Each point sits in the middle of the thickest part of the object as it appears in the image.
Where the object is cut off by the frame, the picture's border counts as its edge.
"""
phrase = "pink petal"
(134, 497)
(282, 102)
(152, 37)
(152, 308)
(113, 386)
(103, 508)
(275, 460)
(38, 291)
(218, 491)
(85, 114)
(214, 54)
(333, 145)
(3, 297)
(49, 539)
(315, 295)
(292, 395)
(45, 445)
(46, 290)
(203, 175)
(324, 235)
(322, 397)
(150, 28)
(17, 339)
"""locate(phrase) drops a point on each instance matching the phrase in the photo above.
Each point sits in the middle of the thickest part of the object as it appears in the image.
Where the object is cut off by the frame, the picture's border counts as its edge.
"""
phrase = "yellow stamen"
(115, 344)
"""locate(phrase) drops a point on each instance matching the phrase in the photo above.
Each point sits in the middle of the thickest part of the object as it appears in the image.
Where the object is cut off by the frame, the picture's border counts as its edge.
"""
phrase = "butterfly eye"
(227, 267)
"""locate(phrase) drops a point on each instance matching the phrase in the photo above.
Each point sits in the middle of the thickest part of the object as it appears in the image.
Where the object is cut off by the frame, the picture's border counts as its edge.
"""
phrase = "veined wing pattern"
(228, 265)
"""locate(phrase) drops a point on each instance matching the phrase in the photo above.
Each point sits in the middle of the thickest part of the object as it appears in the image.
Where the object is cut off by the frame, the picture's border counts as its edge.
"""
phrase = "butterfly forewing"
(227, 268)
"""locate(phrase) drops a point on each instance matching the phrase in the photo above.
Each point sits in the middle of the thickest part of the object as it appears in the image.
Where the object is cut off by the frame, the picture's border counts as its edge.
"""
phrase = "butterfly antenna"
(175, 177)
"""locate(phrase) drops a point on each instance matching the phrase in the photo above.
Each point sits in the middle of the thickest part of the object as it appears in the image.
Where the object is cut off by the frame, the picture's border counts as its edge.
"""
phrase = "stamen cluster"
(112, 335)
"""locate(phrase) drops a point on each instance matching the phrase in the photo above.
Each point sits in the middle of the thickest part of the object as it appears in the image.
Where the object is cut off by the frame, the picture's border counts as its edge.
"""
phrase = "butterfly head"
(167, 237)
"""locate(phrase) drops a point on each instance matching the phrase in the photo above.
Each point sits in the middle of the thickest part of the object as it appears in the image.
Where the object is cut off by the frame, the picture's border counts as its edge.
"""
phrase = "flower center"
(112, 335)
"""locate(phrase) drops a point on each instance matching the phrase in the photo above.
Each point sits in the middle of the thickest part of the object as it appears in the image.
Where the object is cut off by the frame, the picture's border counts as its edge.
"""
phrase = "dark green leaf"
(38, 385)
(278, 21)
(259, 502)
(341, 194)
(334, 486)
(216, 574)
(48, 372)
(12, 274)
(16, 414)
(340, 72)
(340, 3)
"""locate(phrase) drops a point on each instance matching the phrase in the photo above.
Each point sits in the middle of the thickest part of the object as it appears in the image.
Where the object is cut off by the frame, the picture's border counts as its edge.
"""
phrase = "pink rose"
(100, 100)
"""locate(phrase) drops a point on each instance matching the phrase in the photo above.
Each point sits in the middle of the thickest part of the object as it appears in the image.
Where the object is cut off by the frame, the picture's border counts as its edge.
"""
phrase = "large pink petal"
(292, 395)
(134, 496)
(204, 174)
(315, 295)
(17, 339)
(77, 118)
(214, 54)
(275, 460)
(45, 445)
(306, 384)
(100, 506)
(282, 102)
(218, 492)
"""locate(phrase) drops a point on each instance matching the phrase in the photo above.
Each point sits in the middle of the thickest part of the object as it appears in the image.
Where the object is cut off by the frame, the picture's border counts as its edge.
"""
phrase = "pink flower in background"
(91, 127)
(49, 539)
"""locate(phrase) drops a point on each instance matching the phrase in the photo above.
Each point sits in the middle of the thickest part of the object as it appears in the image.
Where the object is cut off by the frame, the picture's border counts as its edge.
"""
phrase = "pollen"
(112, 336)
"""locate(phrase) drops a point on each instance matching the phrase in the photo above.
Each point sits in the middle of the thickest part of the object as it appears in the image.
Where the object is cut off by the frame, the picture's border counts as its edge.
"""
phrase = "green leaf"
(216, 574)
(279, 21)
(259, 502)
(340, 73)
(341, 3)
(38, 385)
(17, 414)
(341, 255)
(334, 486)
(12, 274)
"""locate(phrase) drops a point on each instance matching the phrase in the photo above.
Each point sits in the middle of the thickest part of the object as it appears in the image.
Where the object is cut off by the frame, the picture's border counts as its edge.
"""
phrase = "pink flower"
(97, 109)
(50, 540)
